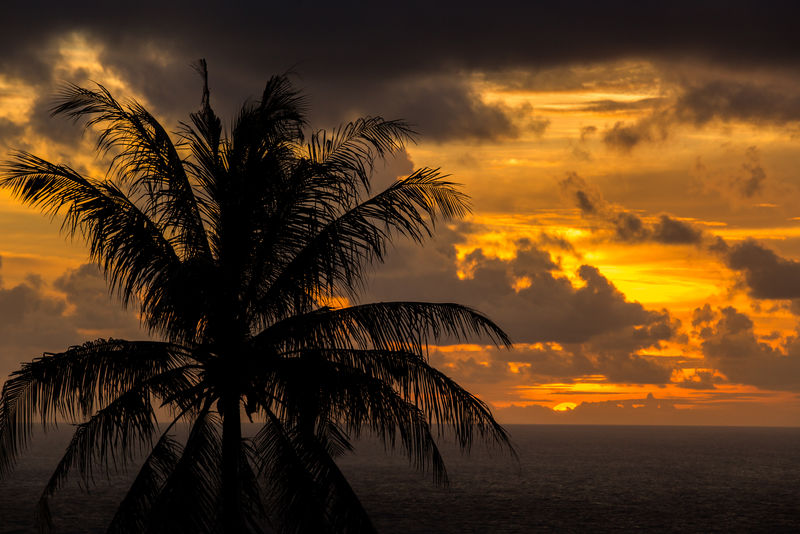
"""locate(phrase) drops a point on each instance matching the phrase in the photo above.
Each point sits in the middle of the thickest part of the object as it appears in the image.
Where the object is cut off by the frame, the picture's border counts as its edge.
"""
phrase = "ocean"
(566, 479)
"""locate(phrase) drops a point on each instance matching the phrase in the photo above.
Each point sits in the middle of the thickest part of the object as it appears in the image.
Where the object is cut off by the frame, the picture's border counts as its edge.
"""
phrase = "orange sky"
(635, 226)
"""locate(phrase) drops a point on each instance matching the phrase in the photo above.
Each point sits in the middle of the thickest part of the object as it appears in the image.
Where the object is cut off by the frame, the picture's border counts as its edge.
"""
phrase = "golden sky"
(636, 224)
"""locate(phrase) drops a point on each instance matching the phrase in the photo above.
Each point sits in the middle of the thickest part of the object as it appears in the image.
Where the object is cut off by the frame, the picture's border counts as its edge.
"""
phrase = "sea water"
(564, 479)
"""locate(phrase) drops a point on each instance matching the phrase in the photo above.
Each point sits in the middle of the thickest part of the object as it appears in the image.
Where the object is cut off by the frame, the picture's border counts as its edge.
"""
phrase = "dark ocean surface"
(567, 479)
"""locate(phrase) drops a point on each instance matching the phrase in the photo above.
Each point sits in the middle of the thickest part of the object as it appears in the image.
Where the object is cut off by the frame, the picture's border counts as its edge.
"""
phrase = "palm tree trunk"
(232, 520)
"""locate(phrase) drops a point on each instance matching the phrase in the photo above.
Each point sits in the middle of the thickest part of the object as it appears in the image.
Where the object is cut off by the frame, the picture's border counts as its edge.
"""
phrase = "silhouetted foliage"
(231, 243)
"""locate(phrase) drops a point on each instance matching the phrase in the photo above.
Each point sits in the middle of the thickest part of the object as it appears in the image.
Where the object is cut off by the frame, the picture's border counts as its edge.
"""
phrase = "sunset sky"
(634, 174)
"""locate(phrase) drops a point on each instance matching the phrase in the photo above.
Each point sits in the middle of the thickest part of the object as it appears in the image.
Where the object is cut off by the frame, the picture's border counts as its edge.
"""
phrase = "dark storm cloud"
(444, 109)
(738, 99)
(362, 58)
(730, 345)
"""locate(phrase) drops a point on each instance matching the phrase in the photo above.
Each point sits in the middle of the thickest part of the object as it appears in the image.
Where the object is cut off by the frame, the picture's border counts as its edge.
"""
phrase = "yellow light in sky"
(564, 407)
(522, 282)
(16, 100)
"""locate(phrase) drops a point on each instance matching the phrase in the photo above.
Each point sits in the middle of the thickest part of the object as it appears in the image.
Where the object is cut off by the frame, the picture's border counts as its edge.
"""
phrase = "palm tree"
(234, 245)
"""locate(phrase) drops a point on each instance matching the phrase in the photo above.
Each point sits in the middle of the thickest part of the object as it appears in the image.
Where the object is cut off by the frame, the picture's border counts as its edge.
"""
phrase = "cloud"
(647, 410)
(701, 380)
(550, 308)
(720, 409)
(53, 129)
(729, 100)
(653, 410)
(392, 168)
(587, 131)
(597, 330)
(445, 109)
(753, 181)
(624, 136)
(672, 231)
(580, 150)
(91, 308)
(765, 274)
(34, 319)
(626, 226)
(608, 105)
(9, 131)
(349, 60)
(730, 345)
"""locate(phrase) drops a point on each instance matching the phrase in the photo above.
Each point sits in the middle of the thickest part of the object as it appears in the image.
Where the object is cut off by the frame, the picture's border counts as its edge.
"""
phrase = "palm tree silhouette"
(233, 245)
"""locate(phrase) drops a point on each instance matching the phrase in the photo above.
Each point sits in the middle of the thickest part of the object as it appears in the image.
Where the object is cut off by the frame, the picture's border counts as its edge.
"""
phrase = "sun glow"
(564, 407)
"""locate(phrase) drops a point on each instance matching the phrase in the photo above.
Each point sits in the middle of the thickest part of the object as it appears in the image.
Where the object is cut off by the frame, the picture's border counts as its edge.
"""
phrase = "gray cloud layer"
(410, 62)
(33, 320)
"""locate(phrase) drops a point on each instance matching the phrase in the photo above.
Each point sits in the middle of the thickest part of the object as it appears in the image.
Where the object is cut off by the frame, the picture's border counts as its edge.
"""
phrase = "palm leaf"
(132, 514)
(132, 249)
(446, 404)
(351, 150)
(111, 436)
(333, 259)
(304, 483)
(405, 326)
(146, 159)
(68, 385)
(188, 500)
(320, 390)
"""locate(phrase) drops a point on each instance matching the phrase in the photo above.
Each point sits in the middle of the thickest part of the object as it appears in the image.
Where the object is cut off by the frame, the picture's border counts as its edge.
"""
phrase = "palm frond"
(319, 390)
(334, 258)
(110, 438)
(146, 159)
(350, 150)
(204, 138)
(189, 498)
(445, 404)
(404, 326)
(304, 483)
(274, 123)
(132, 249)
(70, 384)
(132, 515)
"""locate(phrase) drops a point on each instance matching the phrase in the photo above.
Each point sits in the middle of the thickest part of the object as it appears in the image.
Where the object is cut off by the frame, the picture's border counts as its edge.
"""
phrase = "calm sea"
(567, 479)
